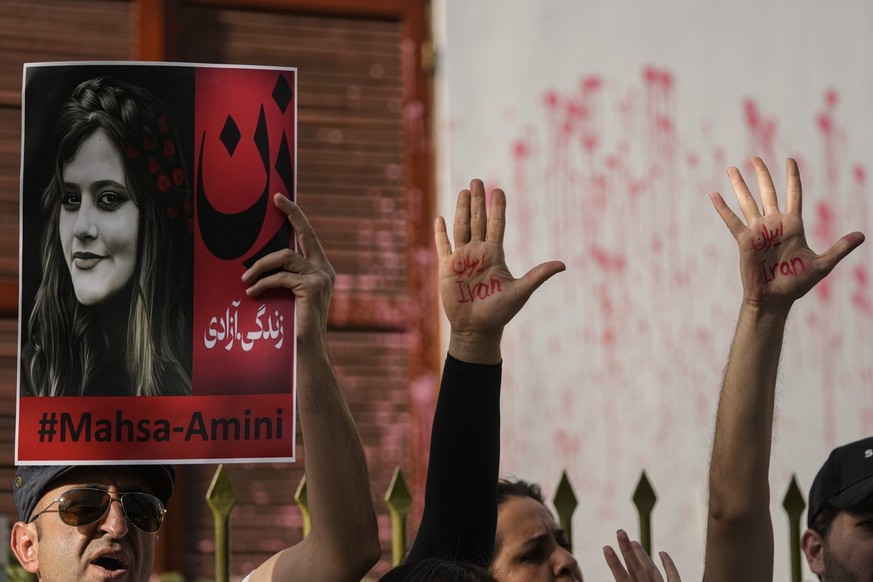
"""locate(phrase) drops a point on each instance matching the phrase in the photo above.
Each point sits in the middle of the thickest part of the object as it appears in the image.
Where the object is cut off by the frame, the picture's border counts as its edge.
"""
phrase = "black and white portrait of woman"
(111, 311)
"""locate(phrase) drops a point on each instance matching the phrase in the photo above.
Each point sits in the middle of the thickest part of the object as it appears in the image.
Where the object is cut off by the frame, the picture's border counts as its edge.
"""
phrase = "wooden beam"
(10, 99)
(8, 299)
(396, 9)
(425, 353)
(155, 30)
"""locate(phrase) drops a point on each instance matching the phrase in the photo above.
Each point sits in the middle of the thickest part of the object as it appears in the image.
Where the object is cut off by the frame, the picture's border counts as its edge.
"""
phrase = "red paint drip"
(550, 99)
(762, 130)
(606, 260)
(860, 296)
(825, 123)
(860, 174)
(823, 227)
(823, 291)
(520, 151)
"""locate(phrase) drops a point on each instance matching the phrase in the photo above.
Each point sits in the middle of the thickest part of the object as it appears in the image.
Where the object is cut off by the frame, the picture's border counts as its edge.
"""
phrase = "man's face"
(846, 555)
(108, 549)
(848, 549)
(531, 547)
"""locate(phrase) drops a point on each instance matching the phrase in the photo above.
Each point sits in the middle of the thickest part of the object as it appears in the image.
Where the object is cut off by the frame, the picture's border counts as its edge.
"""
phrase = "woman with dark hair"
(529, 544)
(112, 310)
(439, 570)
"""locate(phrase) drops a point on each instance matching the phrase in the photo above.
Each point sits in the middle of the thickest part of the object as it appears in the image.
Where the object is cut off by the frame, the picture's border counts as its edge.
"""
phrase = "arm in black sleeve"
(460, 506)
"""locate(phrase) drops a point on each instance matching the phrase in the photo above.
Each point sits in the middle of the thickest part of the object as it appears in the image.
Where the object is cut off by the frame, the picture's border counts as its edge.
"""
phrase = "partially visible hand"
(777, 266)
(479, 294)
(640, 567)
(307, 273)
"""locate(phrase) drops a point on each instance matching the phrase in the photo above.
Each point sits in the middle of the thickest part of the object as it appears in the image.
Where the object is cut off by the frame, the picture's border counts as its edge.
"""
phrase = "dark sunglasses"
(84, 506)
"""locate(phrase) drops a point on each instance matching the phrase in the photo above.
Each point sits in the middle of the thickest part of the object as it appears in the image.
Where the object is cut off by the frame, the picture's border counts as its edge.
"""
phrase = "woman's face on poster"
(99, 221)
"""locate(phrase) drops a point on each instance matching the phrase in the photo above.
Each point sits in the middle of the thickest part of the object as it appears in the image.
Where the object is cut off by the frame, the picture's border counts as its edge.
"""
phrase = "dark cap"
(844, 481)
(32, 481)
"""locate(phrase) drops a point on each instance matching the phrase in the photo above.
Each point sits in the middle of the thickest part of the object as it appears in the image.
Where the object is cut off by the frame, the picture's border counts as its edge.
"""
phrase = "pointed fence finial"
(399, 500)
(794, 505)
(302, 503)
(565, 502)
(644, 498)
(221, 497)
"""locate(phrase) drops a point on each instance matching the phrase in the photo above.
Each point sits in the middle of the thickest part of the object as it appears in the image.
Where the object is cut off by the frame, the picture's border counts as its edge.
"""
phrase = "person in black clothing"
(480, 296)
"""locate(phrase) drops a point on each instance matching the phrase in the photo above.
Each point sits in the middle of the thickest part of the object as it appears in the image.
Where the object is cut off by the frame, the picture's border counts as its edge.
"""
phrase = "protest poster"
(146, 193)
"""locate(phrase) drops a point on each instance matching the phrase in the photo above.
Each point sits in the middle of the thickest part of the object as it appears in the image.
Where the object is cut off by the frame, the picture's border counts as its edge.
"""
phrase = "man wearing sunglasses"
(71, 528)
(100, 522)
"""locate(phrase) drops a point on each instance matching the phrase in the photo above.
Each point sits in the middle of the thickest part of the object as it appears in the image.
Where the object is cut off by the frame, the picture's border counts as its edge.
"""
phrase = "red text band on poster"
(258, 427)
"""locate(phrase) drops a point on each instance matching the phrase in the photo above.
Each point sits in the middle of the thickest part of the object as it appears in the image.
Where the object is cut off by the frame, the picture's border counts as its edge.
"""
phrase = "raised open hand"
(307, 273)
(640, 567)
(479, 294)
(777, 266)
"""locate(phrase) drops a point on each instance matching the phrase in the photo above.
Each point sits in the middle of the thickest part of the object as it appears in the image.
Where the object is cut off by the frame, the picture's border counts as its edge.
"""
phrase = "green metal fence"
(221, 498)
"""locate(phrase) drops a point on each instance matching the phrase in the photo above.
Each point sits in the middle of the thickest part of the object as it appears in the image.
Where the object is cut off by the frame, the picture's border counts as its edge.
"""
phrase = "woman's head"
(98, 221)
(438, 570)
(116, 224)
(529, 545)
(128, 132)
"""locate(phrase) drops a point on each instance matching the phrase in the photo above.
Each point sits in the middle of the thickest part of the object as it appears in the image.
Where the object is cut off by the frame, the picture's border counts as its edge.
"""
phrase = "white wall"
(608, 123)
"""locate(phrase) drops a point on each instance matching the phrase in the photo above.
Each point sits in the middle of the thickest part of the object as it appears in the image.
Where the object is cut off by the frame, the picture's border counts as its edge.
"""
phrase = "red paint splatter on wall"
(610, 180)
(762, 130)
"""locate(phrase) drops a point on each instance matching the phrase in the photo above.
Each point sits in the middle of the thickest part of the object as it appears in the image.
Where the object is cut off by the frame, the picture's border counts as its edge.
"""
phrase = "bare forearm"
(744, 424)
(739, 541)
(343, 543)
(338, 488)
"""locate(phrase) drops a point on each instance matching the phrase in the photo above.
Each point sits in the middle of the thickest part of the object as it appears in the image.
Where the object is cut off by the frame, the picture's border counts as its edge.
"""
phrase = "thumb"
(532, 280)
(840, 250)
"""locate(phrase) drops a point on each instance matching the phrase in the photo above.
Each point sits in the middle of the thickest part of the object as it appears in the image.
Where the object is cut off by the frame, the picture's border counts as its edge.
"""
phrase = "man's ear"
(813, 546)
(25, 545)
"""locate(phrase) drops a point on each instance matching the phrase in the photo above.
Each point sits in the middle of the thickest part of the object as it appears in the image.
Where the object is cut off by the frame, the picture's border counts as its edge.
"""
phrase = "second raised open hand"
(479, 294)
(776, 264)
(640, 567)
